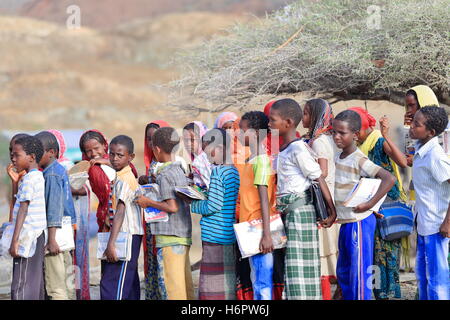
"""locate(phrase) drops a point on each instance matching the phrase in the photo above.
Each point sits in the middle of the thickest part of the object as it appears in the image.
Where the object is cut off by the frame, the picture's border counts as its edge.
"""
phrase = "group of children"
(250, 168)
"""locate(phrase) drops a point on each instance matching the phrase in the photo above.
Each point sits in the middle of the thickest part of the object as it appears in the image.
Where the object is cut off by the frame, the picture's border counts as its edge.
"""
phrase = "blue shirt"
(219, 210)
(58, 195)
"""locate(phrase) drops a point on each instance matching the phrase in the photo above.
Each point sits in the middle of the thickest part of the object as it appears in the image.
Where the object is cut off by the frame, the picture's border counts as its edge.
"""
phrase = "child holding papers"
(120, 279)
(356, 236)
(28, 216)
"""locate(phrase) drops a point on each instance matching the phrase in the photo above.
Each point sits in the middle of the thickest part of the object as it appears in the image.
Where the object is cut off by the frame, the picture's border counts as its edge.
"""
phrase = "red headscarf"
(148, 153)
(367, 121)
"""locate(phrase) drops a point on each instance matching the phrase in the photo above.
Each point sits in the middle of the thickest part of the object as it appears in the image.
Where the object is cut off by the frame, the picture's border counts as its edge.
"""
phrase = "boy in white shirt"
(431, 177)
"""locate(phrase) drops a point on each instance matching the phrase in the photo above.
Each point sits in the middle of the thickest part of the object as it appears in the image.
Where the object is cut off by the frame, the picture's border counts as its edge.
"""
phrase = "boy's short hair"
(435, 118)
(166, 138)
(289, 109)
(218, 136)
(32, 145)
(91, 135)
(257, 120)
(352, 118)
(48, 140)
(124, 141)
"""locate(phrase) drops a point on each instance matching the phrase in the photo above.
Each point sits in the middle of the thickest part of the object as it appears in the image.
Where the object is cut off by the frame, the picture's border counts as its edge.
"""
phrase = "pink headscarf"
(223, 118)
(62, 144)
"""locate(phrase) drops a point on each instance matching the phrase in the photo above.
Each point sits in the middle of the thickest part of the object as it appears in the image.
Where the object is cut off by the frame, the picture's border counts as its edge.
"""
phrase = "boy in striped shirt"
(356, 235)
(217, 270)
(29, 217)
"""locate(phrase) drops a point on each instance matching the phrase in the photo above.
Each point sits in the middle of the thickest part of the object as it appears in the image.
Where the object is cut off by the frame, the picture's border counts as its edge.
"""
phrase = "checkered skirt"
(302, 262)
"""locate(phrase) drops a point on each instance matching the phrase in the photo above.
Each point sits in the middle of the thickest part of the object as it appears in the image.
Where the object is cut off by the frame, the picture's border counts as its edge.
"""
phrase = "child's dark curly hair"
(167, 139)
(435, 118)
(352, 118)
(125, 141)
(257, 120)
(32, 145)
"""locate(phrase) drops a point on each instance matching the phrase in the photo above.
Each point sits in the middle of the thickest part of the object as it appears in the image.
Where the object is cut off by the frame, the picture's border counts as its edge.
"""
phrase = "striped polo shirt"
(348, 173)
(219, 209)
(32, 189)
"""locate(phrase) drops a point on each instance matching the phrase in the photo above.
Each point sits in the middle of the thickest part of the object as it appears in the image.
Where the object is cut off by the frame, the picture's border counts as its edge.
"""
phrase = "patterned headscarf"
(61, 143)
(321, 117)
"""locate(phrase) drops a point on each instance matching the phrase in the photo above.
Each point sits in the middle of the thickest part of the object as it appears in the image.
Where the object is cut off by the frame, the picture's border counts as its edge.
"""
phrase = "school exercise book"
(152, 215)
(123, 245)
(249, 235)
(27, 241)
(362, 192)
(190, 192)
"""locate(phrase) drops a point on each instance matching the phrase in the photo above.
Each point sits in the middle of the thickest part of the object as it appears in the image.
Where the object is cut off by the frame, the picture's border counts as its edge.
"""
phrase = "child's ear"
(355, 135)
(132, 157)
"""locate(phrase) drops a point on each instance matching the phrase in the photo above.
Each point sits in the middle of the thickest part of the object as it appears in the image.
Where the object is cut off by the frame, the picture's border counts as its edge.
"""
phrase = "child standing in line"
(217, 270)
(120, 279)
(201, 167)
(318, 118)
(431, 177)
(357, 232)
(257, 199)
(59, 204)
(381, 150)
(296, 168)
(174, 237)
(29, 216)
(13, 174)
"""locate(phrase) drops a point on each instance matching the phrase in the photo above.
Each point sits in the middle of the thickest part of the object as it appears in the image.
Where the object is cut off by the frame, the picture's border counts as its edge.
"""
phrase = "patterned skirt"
(302, 261)
(217, 272)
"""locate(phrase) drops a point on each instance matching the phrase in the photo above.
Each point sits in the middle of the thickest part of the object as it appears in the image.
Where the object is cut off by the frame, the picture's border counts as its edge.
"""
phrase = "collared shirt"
(179, 223)
(32, 189)
(124, 189)
(295, 169)
(58, 195)
(431, 171)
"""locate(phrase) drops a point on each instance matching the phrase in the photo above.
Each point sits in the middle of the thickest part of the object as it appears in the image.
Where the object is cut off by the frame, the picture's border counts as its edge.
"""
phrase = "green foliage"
(337, 46)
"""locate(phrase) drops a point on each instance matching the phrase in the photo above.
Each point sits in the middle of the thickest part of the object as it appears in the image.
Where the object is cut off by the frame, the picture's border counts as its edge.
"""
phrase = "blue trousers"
(355, 259)
(432, 270)
(261, 266)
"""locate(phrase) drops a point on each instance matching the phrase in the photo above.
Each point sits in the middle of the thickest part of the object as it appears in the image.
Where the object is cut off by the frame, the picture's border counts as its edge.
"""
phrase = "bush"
(328, 46)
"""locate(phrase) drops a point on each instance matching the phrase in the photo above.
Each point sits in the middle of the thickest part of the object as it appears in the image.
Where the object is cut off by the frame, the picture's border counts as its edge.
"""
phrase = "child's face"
(306, 121)
(411, 105)
(94, 149)
(214, 153)
(228, 125)
(342, 135)
(119, 156)
(247, 135)
(191, 141)
(362, 135)
(418, 130)
(149, 135)
(47, 158)
(277, 123)
(20, 159)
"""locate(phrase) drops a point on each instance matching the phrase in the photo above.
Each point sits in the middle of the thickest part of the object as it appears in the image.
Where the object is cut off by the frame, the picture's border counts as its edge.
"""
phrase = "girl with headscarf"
(381, 150)
(317, 118)
(225, 120)
(82, 211)
(201, 167)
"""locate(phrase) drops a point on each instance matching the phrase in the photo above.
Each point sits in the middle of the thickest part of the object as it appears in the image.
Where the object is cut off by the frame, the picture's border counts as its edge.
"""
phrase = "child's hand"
(409, 160)
(142, 202)
(444, 230)
(384, 126)
(328, 222)
(14, 249)
(266, 244)
(378, 215)
(110, 253)
(52, 248)
(363, 207)
(184, 197)
(408, 118)
(143, 180)
(93, 162)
